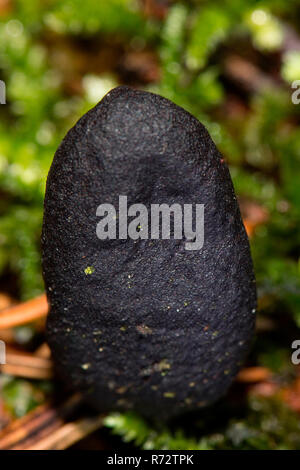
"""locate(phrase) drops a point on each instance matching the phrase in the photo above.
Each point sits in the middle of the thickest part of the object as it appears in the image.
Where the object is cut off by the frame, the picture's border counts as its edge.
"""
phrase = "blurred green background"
(231, 63)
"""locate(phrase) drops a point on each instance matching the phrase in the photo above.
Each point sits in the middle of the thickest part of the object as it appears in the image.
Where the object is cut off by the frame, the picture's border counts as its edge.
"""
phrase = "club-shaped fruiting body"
(145, 324)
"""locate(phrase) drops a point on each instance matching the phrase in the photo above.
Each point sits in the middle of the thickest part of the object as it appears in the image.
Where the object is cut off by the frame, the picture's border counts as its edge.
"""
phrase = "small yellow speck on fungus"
(89, 270)
(169, 394)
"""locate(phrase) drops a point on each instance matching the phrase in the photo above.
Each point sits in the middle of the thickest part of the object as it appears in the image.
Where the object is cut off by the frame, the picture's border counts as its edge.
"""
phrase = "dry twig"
(38, 424)
(68, 434)
(23, 313)
(27, 365)
(254, 374)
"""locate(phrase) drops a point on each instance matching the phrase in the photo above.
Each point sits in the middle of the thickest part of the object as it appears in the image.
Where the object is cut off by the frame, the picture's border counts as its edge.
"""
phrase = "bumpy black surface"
(153, 327)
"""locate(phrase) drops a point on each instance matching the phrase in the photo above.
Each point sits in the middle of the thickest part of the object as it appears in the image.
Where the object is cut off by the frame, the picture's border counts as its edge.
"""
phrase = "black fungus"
(145, 324)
